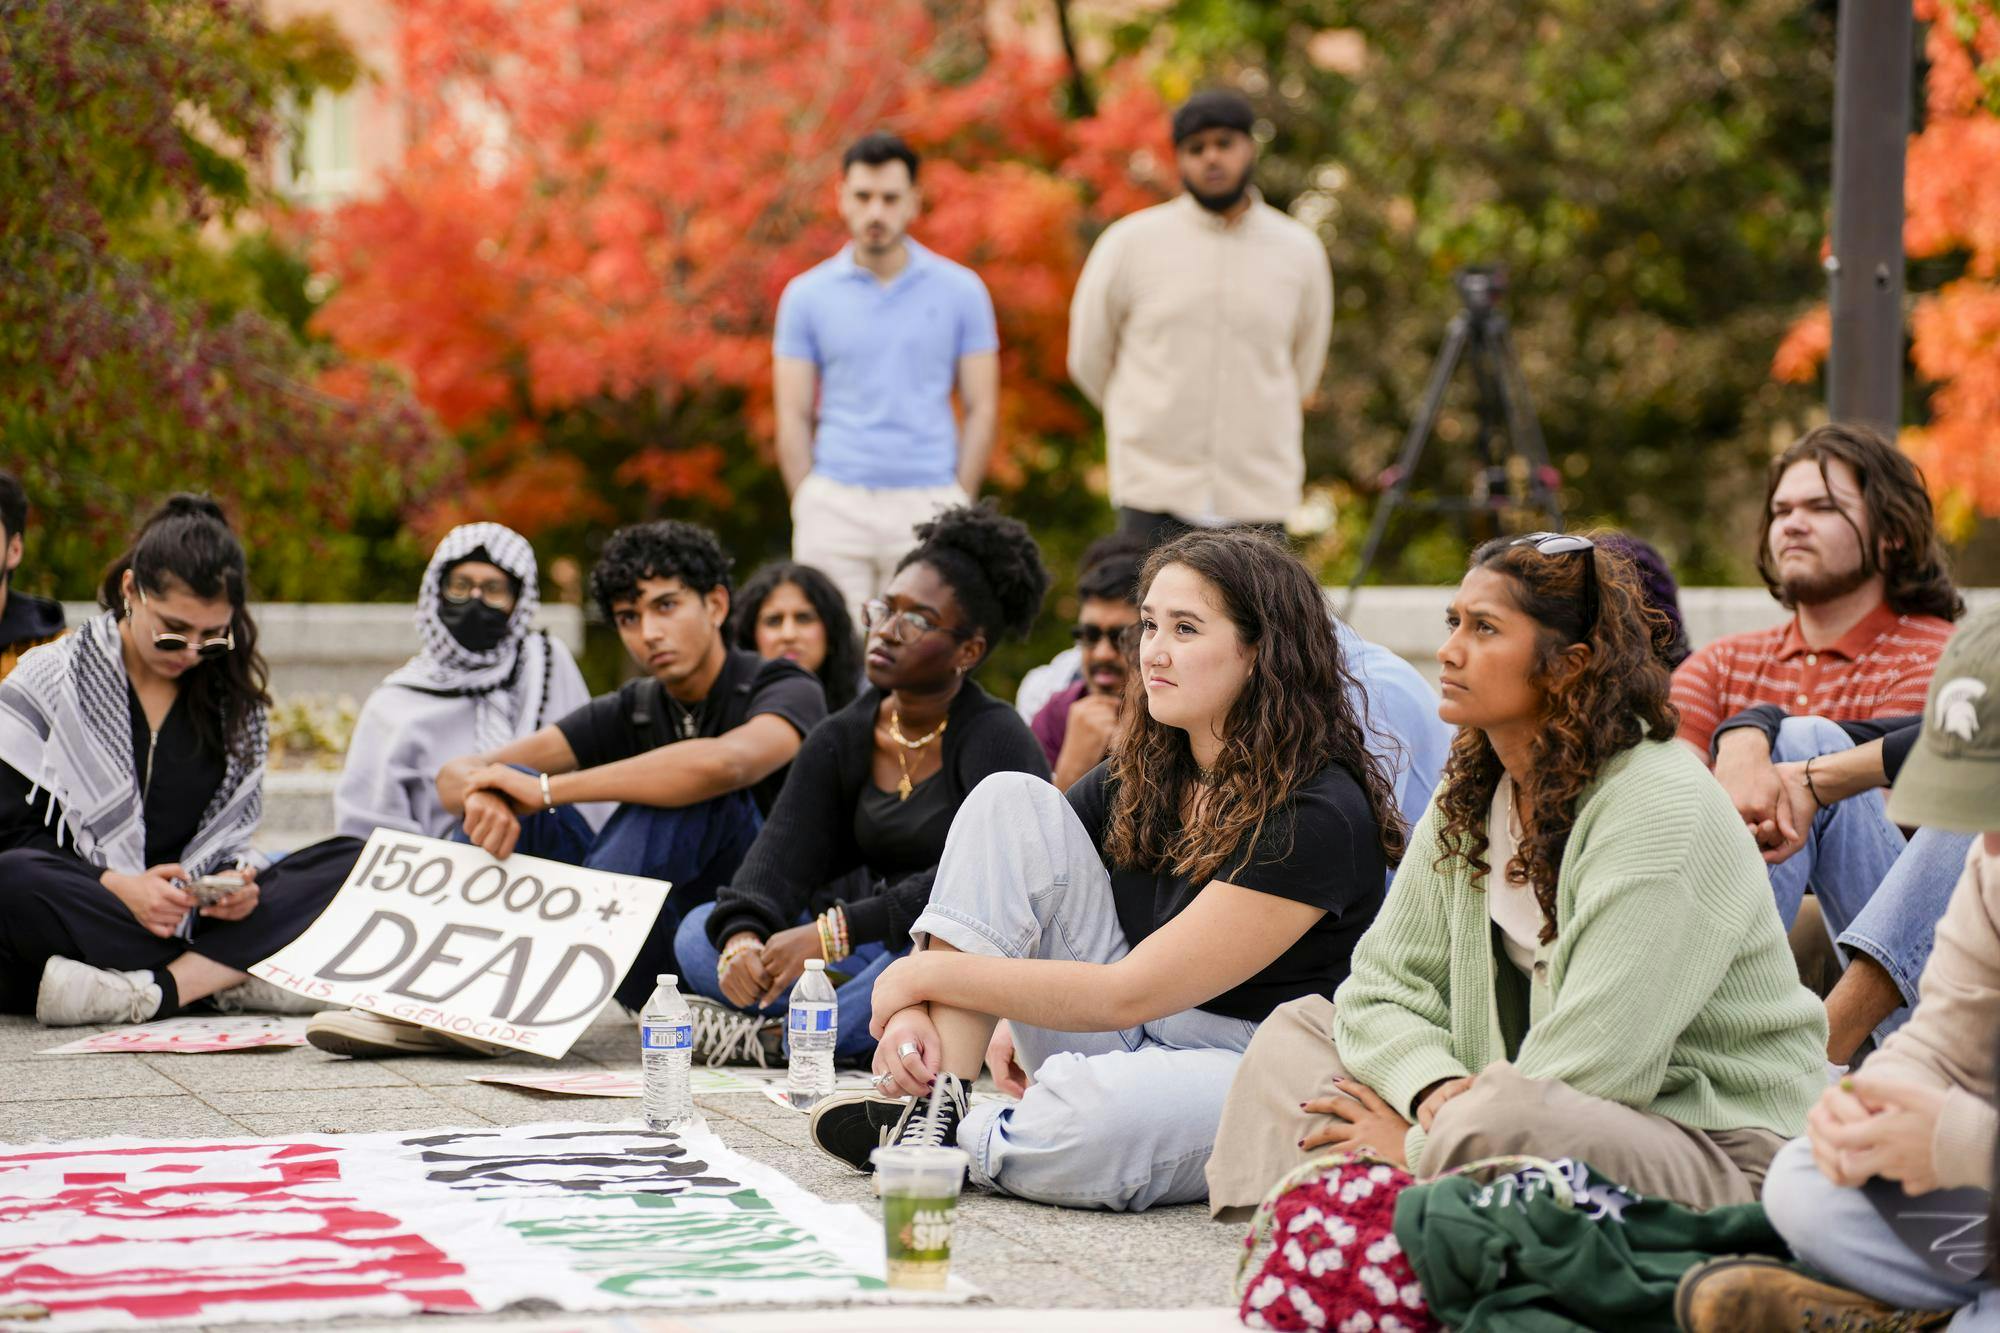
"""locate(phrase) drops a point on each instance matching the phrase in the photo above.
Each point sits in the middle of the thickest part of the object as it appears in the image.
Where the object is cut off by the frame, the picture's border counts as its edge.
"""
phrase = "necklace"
(903, 787)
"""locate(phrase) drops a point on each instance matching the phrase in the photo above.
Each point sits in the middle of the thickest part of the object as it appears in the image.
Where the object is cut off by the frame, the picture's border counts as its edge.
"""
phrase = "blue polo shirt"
(888, 356)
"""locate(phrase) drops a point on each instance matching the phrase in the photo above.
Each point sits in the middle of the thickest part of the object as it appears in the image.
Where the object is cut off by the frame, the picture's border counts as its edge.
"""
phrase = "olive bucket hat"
(1952, 778)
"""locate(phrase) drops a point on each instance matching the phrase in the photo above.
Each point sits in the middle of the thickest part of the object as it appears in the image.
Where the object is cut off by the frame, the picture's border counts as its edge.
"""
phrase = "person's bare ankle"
(1864, 996)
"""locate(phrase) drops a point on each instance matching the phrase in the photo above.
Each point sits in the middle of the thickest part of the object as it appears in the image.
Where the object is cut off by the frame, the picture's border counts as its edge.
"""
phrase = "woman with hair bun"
(874, 790)
(1579, 956)
(131, 780)
(1135, 929)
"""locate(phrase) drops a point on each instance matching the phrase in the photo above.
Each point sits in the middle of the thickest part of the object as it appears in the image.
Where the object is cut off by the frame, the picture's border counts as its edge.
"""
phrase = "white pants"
(855, 535)
(1118, 1120)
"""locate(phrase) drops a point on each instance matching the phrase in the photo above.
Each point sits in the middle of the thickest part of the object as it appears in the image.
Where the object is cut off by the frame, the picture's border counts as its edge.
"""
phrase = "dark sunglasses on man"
(167, 641)
(1565, 543)
(1088, 637)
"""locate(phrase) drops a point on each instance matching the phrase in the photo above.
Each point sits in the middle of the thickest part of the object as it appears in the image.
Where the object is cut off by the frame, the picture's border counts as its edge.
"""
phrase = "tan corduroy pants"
(1292, 1060)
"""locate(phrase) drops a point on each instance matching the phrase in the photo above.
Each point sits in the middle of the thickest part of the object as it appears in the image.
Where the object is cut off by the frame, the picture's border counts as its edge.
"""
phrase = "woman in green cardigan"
(1579, 956)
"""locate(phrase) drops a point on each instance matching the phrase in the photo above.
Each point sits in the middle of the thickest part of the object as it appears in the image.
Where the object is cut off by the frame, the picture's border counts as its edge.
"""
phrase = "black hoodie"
(26, 622)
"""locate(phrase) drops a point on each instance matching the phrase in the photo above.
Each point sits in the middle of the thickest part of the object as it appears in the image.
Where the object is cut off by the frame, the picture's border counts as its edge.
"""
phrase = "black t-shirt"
(899, 837)
(640, 715)
(1324, 849)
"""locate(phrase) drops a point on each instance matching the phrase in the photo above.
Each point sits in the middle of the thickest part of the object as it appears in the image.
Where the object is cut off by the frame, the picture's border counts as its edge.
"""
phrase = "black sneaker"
(853, 1125)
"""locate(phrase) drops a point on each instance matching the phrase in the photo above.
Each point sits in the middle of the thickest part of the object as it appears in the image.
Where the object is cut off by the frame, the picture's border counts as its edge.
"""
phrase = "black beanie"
(1213, 109)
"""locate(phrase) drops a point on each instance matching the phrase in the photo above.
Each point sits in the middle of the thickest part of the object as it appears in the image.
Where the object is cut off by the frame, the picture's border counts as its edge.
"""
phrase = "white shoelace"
(722, 1035)
(932, 1128)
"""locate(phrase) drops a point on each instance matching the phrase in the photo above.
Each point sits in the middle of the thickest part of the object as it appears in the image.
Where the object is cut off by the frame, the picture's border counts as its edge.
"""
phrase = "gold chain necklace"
(903, 787)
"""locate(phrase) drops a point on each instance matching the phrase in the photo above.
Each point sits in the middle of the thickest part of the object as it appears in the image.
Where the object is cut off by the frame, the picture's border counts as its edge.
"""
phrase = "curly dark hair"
(992, 564)
(188, 541)
(663, 549)
(1292, 719)
(1916, 573)
(1594, 708)
(840, 674)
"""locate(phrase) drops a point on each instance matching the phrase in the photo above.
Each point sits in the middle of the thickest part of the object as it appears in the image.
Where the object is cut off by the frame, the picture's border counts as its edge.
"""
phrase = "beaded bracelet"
(729, 957)
(833, 935)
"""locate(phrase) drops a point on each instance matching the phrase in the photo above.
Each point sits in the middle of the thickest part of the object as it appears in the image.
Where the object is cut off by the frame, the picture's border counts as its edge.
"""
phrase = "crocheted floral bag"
(1334, 1262)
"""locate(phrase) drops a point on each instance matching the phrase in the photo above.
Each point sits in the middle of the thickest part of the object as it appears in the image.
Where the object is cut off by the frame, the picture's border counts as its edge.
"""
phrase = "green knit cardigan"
(1669, 986)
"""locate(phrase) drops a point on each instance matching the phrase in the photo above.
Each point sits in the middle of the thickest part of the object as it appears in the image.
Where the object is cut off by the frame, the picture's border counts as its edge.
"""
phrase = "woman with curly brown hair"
(1579, 956)
(1136, 929)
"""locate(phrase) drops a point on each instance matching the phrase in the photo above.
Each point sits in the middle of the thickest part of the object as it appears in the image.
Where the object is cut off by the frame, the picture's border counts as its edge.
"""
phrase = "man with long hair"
(1850, 545)
(1200, 327)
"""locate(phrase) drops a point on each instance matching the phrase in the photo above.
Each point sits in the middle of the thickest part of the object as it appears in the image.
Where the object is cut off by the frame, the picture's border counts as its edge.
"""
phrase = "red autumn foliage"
(604, 201)
(1952, 207)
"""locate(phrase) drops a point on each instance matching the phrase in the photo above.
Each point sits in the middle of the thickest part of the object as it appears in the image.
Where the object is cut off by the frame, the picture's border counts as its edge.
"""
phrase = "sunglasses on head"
(167, 641)
(1564, 543)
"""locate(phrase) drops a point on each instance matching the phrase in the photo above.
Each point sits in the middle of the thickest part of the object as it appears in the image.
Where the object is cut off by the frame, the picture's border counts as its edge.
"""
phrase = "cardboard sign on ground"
(706, 1082)
(522, 952)
(191, 1036)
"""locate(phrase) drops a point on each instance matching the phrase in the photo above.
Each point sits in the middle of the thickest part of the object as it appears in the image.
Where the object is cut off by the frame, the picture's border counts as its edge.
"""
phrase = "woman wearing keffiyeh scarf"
(483, 678)
(131, 766)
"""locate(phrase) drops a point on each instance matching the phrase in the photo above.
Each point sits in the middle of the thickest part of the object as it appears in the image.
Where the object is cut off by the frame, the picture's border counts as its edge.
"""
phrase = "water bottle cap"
(665, 979)
(815, 964)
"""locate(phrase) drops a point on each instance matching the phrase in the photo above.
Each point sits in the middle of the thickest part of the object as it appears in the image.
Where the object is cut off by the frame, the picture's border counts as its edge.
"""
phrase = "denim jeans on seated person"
(852, 1042)
(1879, 893)
(1119, 1120)
(695, 848)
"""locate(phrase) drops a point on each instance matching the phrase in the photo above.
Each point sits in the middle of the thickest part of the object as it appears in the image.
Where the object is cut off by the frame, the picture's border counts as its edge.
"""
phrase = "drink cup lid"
(918, 1160)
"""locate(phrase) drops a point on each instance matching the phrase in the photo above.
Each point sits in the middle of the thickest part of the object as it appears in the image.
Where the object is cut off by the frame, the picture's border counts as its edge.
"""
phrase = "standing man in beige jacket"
(1199, 328)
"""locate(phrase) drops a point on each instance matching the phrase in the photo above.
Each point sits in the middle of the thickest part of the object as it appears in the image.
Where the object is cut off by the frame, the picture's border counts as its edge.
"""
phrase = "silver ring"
(880, 1079)
(907, 1049)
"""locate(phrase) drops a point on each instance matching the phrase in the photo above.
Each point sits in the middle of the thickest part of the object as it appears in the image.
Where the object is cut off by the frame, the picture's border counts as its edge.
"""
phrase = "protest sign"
(706, 1082)
(522, 952)
(191, 1036)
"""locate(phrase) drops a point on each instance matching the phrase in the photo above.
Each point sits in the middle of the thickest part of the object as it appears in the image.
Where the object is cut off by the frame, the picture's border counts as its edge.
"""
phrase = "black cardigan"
(808, 840)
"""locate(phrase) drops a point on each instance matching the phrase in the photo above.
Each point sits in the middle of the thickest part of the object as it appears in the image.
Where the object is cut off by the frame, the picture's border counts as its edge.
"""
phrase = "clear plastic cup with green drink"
(919, 1188)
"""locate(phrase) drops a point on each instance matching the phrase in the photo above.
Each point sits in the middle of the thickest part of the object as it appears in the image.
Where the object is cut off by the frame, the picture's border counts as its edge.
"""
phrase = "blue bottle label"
(812, 1018)
(666, 1036)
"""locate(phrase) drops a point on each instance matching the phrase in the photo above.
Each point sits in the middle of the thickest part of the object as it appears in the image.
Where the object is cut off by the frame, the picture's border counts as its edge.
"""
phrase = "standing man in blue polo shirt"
(869, 347)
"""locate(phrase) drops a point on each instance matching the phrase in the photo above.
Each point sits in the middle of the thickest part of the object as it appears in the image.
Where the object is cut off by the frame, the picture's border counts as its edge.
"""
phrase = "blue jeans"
(1118, 1120)
(695, 848)
(1879, 894)
(1838, 1234)
(851, 1042)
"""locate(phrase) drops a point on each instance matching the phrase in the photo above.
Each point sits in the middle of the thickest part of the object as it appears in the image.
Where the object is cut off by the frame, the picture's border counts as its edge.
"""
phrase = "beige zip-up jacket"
(1200, 339)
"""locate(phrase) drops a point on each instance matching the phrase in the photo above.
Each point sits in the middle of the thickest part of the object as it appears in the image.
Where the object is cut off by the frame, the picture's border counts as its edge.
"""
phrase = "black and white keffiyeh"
(66, 725)
(509, 682)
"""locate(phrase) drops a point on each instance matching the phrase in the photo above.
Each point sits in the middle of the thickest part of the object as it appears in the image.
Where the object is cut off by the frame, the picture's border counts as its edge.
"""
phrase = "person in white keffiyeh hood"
(484, 677)
(131, 770)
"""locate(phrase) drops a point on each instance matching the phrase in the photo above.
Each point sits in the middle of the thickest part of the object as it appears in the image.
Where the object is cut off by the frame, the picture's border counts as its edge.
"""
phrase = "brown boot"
(1751, 1294)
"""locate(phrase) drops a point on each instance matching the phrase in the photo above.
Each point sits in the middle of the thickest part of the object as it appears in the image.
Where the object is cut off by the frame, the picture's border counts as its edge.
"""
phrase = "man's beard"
(1220, 203)
(1817, 589)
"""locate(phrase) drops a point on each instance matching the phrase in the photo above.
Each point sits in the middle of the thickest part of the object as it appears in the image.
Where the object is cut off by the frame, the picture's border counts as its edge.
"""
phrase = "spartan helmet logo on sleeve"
(1956, 711)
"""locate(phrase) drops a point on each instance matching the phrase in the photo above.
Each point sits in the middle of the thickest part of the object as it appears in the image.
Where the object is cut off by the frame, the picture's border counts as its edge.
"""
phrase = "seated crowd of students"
(1226, 888)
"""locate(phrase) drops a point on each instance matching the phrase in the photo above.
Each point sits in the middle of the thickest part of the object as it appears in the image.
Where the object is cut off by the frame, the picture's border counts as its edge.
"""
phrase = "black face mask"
(479, 627)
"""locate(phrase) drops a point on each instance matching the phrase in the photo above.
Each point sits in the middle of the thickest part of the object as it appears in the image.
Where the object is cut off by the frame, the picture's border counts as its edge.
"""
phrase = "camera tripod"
(1506, 421)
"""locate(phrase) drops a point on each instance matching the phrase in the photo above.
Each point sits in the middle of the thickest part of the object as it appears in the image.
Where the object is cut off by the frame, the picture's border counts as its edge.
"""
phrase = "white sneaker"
(726, 1036)
(74, 993)
(258, 996)
(359, 1033)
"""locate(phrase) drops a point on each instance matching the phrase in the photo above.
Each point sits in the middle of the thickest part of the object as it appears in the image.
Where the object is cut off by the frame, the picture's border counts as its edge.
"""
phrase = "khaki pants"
(1292, 1060)
(855, 536)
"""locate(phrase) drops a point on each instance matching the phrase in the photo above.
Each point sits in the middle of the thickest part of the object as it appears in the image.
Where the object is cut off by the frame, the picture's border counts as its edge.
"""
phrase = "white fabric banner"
(134, 1233)
(522, 952)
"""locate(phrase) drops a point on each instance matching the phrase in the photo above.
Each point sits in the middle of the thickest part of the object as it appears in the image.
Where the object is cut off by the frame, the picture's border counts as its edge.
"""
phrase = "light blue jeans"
(1837, 1233)
(1878, 893)
(1118, 1120)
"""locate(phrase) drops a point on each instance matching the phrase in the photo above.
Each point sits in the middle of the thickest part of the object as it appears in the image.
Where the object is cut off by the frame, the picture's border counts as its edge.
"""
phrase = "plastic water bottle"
(815, 1019)
(666, 1047)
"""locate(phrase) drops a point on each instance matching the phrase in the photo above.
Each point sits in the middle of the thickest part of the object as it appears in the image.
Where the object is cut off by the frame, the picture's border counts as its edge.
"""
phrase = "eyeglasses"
(1088, 637)
(1563, 543)
(878, 617)
(496, 593)
(169, 642)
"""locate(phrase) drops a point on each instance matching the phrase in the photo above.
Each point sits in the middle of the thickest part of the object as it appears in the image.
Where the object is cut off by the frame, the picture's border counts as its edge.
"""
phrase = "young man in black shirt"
(691, 754)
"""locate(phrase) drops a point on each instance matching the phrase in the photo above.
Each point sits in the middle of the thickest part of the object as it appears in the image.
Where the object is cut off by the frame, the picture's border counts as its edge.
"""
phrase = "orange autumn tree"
(580, 260)
(1952, 203)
